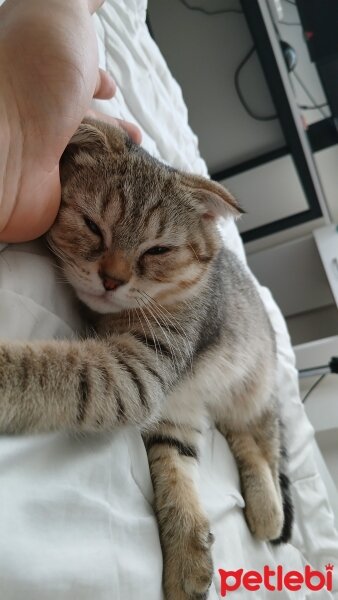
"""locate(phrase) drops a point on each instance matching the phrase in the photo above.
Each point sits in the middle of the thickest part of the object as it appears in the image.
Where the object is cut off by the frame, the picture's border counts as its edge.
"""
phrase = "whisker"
(169, 319)
(61, 279)
(198, 260)
(152, 333)
(171, 347)
(163, 308)
(145, 335)
(58, 252)
(166, 317)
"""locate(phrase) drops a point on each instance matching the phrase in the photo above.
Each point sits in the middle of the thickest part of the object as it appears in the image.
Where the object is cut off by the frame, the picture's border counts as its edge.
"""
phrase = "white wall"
(268, 201)
(313, 325)
(203, 53)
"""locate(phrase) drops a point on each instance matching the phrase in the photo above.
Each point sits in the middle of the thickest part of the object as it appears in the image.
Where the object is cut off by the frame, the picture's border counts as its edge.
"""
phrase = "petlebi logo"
(276, 580)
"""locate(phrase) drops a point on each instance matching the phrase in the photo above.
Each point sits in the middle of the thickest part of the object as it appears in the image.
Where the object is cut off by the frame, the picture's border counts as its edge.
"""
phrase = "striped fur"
(180, 334)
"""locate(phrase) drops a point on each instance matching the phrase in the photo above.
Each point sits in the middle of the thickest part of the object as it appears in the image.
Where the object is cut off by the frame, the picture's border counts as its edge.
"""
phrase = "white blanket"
(76, 519)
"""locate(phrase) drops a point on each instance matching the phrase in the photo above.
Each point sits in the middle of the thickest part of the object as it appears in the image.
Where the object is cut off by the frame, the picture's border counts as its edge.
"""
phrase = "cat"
(179, 335)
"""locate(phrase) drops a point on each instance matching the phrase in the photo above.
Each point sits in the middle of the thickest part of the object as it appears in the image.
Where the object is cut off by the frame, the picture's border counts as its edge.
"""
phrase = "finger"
(133, 130)
(105, 86)
(94, 5)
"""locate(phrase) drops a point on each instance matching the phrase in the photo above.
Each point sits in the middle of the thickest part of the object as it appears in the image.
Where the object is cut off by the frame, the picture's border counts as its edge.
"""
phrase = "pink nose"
(110, 284)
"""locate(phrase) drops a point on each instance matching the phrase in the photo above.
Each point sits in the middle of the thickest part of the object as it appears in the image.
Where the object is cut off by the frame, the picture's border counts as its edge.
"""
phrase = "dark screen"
(320, 23)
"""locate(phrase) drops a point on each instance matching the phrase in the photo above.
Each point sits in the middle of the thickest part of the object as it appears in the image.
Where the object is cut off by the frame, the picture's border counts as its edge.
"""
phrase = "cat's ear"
(213, 199)
(82, 149)
(88, 137)
(91, 140)
(94, 135)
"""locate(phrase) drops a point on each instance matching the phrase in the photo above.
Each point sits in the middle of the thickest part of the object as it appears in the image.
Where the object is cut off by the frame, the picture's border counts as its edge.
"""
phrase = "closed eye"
(92, 226)
(157, 250)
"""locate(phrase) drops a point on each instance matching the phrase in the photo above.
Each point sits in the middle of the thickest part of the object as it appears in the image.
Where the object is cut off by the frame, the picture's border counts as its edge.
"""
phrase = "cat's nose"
(115, 269)
(110, 283)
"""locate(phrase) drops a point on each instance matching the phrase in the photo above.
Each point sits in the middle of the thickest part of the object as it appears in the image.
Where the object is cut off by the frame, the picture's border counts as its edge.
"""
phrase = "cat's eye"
(92, 226)
(157, 250)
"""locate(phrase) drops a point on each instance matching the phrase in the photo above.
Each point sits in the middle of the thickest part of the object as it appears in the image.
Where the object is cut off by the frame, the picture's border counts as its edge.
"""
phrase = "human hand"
(48, 76)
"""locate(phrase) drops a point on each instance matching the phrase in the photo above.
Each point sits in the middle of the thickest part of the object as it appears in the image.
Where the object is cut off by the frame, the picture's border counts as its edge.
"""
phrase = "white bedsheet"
(76, 520)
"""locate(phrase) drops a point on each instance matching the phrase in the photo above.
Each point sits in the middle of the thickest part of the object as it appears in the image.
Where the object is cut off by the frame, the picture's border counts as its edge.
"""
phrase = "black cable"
(309, 95)
(239, 91)
(317, 382)
(220, 11)
(314, 107)
(306, 106)
(331, 367)
(241, 64)
(247, 58)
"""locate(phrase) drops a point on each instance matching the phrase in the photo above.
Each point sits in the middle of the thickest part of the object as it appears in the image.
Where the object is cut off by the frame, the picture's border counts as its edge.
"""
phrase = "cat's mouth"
(102, 294)
(103, 302)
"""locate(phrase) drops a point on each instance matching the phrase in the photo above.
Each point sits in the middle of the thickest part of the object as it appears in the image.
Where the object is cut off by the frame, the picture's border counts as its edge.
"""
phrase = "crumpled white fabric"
(76, 518)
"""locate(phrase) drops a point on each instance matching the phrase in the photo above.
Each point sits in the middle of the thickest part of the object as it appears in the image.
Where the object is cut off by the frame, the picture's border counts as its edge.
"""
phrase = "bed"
(76, 518)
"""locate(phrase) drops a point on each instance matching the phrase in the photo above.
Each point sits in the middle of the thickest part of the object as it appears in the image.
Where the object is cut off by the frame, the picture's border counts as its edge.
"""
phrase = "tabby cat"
(179, 335)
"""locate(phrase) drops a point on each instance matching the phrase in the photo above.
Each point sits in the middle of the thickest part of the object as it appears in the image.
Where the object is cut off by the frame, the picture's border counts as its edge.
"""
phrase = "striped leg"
(184, 528)
(88, 385)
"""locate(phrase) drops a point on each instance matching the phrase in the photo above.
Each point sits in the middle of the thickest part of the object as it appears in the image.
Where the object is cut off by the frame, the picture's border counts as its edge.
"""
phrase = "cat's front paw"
(188, 566)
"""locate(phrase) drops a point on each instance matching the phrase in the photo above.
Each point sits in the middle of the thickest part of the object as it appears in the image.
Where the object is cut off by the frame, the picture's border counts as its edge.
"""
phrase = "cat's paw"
(188, 570)
(264, 514)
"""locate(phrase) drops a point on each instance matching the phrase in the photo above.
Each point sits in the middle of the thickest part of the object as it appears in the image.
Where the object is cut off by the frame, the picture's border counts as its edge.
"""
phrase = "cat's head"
(130, 228)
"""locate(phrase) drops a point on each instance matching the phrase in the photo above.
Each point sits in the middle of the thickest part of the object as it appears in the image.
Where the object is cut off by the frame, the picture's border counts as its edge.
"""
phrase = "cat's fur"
(179, 336)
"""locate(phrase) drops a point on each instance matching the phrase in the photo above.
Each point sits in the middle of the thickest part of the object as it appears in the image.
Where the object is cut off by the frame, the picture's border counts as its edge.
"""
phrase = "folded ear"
(93, 134)
(91, 140)
(88, 136)
(86, 144)
(214, 200)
